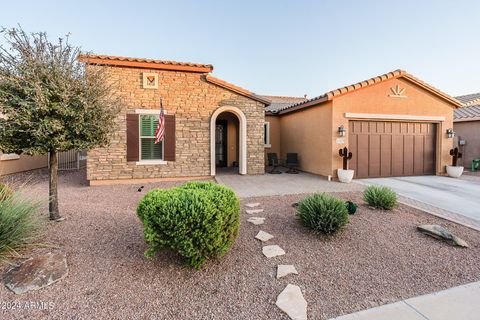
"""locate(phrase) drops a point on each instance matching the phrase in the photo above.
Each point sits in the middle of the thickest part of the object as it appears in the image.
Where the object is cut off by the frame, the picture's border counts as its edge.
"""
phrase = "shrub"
(198, 220)
(380, 197)
(19, 222)
(323, 213)
(5, 192)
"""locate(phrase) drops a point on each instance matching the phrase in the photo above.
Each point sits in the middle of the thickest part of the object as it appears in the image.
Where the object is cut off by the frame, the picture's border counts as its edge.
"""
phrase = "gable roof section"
(469, 113)
(280, 102)
(237, 89)
(330, 95)
(469, 99)
(144, 63)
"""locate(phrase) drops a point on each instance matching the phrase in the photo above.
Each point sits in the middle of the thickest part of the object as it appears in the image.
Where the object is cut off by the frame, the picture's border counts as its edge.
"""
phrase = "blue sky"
(277, 47)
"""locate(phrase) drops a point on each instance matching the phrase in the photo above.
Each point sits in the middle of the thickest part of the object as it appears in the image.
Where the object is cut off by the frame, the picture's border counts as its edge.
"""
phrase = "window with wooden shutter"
(132, 137)
(149, 150)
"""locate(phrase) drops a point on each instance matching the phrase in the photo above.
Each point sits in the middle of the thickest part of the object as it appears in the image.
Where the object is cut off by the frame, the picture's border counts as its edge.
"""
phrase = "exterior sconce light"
(450, 133)
(342, 131)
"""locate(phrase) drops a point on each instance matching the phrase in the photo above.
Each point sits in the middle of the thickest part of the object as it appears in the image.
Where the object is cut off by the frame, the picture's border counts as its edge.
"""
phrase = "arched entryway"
(220, 121)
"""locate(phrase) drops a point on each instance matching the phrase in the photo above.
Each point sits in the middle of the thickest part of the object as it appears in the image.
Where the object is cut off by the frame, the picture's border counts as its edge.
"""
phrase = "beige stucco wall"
(192, 100)
(376, 100)
(470, 132)
(308, 133)
(24, 163)
(274, 136)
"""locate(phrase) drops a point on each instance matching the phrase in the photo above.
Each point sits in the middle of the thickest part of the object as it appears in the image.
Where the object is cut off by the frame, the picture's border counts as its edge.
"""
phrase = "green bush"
(323, 213)
(198, 220)
(19, 221)
(380, 197)
(5, 192)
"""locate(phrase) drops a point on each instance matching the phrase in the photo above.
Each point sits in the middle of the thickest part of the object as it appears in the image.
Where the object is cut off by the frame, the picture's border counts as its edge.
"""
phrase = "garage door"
(389, 149)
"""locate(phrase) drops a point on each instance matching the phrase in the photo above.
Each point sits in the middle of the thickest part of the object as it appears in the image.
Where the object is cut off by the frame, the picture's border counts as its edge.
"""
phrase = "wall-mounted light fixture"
(342, 131)
(450, 133)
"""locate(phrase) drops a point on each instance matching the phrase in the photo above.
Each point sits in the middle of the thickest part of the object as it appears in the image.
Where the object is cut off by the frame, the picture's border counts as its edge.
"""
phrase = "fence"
(71, 160)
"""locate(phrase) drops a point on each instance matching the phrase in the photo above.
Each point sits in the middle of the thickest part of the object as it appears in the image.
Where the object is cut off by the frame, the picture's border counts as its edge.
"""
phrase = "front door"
(221, 143)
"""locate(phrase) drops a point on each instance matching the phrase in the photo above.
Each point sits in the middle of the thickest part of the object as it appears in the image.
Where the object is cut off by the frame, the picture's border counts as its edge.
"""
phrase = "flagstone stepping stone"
(263, 236)
(253, 211)
(441, 233)
(292, 302)
(36, 273)
(272, 251)
(256, 220)
(285, 269)
(252, 205)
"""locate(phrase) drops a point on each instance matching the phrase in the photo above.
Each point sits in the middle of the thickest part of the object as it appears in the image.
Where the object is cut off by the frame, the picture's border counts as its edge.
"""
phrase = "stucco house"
(13, 163)
(395, 124)
(466, 124)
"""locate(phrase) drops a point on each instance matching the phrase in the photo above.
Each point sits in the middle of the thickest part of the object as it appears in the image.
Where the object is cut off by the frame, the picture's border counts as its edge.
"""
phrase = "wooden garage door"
(389, 149)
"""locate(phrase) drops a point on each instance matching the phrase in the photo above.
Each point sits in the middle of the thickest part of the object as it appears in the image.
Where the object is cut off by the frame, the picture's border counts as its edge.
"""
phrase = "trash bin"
(475, 164)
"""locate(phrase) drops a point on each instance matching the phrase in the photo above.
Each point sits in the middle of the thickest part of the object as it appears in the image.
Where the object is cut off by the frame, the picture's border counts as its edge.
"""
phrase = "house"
(466, 124)
(209, 123)
(395, 125)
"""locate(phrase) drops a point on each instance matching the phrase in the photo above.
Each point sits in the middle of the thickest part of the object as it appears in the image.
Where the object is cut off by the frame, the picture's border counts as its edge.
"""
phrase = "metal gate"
(71, 160)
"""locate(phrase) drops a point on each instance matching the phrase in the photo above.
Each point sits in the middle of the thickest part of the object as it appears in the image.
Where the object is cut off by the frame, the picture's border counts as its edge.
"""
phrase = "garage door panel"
(418, 154)
(388, 148)
(385, 155)
(353, 148)
(362, 156)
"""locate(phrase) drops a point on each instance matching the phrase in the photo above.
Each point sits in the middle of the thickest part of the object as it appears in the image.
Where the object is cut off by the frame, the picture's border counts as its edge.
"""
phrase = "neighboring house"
(394, 124)
(209, 123)
(466, 124)
(13, 163)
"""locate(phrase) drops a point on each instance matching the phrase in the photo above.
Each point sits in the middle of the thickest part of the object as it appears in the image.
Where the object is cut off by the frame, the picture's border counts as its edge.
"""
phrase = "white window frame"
(266, 129)
(141, 162)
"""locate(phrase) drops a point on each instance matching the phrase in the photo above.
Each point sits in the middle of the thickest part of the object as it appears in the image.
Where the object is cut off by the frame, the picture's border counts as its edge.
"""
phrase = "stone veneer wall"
(192, 100)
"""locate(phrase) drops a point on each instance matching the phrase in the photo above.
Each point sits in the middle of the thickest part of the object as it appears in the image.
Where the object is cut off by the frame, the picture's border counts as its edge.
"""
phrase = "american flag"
(160, 132)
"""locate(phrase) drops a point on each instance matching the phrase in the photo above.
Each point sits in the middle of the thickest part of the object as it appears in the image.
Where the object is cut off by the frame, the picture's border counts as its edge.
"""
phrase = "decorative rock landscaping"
(36, 273)
(252, 205)
(253, 211)
(263, 236)
(272, 251)
(441, 233)
(292, 302)
(284, 270)
(256, 220)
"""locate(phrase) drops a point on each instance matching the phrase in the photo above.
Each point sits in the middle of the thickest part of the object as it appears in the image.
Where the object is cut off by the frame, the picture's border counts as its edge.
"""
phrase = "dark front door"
(221, 143)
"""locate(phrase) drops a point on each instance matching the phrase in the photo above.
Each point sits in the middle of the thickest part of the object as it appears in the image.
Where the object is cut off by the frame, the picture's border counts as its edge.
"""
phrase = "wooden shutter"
(170, 140)
(132, 137)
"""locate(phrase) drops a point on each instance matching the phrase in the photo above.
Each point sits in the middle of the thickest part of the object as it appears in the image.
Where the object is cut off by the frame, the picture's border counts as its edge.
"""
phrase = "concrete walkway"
(459, 196)
(461, 302)
(281, 184)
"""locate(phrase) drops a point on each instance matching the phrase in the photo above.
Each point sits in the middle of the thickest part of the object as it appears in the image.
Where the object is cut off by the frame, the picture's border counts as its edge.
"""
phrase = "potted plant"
(454, 171)
(345, 175)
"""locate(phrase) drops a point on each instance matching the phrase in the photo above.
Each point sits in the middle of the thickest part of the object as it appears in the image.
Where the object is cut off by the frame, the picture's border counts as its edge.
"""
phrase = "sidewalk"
(461, 302)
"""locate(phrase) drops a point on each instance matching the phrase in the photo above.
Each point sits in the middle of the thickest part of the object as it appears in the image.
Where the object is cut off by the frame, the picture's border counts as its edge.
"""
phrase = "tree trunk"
(53, 190)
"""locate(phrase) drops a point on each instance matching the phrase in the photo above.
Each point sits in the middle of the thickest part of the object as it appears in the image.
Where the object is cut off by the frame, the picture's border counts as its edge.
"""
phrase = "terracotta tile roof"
(469, 99)
(281, 102)
(330, 95)
(144, 63)
(237, 89)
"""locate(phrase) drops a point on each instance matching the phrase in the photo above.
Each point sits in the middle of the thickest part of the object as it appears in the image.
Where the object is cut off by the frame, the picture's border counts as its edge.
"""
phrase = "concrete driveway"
(459, 196)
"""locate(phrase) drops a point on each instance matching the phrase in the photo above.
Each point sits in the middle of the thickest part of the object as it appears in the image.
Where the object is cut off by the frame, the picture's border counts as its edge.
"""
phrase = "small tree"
(49, 102)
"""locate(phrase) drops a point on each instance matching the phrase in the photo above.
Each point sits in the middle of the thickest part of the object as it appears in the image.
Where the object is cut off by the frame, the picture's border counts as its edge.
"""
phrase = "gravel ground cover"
(379, 258)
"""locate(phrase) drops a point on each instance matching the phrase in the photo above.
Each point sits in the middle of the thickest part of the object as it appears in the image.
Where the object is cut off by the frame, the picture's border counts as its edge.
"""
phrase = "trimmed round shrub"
(5, 192)
(198, 220)
(380, 197)
(323, 213)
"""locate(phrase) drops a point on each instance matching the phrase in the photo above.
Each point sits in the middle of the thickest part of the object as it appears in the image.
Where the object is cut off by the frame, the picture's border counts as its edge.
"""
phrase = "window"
(266, 128)
(148, 149)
